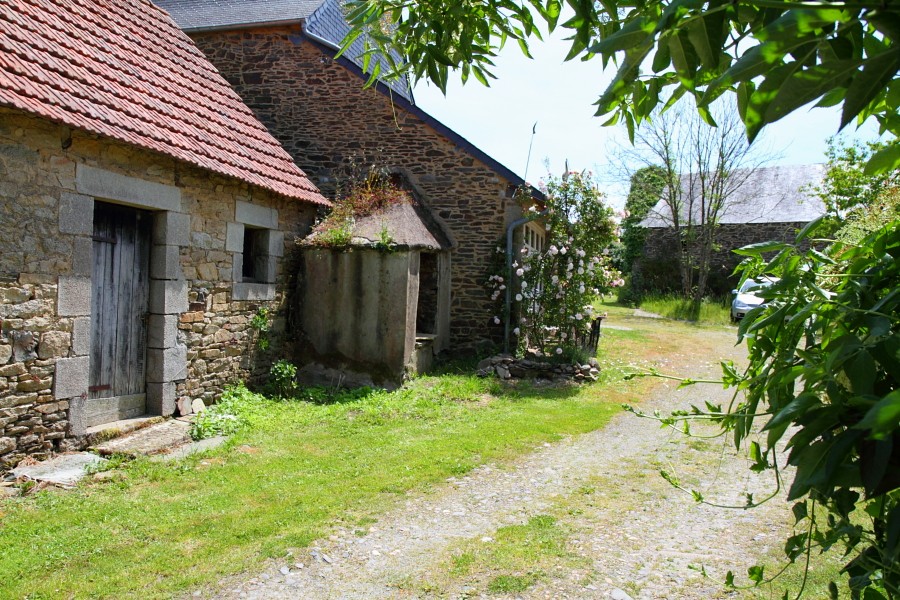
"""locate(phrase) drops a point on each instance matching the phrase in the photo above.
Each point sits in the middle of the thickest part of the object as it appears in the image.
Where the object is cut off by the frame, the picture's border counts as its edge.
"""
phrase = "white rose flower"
(518, 297)
(520, 272)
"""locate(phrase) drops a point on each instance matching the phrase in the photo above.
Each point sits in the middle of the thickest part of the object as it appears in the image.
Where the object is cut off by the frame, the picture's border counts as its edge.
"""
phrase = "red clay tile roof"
(123, 69)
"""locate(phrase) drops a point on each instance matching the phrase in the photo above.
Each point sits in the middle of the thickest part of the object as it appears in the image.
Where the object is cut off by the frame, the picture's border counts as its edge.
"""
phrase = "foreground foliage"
(775, 56)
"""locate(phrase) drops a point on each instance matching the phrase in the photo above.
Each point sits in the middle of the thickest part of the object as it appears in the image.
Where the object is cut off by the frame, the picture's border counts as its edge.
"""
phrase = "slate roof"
(323, 19)
(228, 14)
(123, 69)
(766, 195)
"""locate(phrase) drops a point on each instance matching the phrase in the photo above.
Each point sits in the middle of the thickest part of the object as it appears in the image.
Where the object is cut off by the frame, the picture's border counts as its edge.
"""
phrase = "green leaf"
(760, 248)
(884, 161)
(793, 410)
(870, 82)
(755, 573)
(633, 34)
(729, 579)
(804, 86)
(884, 417)
(800, 511)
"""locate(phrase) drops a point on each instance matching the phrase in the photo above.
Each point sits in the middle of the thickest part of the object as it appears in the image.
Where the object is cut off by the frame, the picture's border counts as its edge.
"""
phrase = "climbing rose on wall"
(553, 289)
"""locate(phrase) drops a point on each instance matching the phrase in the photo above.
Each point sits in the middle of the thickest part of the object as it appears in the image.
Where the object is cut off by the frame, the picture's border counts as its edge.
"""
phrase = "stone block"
(54, 344)
(256, 215)
(275, 242)
(7, 445)
(162, 331)
(168, 297)
(73, 296)
(141, 193)
(5, 353)
(234, 237)
(71, 379)
(258, 292)
(161, 398)
(76, 214)
(165, 365)
(83, 257)
(165, 262)
(78, 416)
(237, 269)
(172, 228)
(81, 336)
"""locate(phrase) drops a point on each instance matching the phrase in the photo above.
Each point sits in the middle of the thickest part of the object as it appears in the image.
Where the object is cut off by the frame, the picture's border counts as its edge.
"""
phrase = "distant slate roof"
(766, 195)
(122, 69)
(323, 19)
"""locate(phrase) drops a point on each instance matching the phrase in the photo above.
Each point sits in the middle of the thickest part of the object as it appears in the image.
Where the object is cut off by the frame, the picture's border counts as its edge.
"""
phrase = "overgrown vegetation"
(366, 193)
(646, 189)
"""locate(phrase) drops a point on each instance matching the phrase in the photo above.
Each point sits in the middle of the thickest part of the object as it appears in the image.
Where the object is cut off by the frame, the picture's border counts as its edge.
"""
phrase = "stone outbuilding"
(280, 56)
(144, 216)
(771, 203)
(379, 308)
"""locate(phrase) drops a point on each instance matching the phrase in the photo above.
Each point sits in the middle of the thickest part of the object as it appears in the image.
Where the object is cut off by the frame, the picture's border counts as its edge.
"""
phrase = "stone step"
(157, 438)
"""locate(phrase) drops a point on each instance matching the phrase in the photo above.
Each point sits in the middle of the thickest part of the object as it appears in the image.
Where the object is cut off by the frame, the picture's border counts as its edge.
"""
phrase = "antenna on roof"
(530, 144)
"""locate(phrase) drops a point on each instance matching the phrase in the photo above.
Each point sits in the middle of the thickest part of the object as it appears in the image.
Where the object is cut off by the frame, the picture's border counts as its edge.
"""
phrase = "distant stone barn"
(280, 57)
(144, 217)
(774, 203)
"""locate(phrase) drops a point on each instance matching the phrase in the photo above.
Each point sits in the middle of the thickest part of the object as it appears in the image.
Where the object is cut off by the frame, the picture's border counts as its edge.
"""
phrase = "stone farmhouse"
(145, 214)
(771, 203)
(280, 56)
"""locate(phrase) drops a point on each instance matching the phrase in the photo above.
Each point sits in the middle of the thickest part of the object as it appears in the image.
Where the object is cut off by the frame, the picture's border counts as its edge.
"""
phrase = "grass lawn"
(711, 311)
(153, 530)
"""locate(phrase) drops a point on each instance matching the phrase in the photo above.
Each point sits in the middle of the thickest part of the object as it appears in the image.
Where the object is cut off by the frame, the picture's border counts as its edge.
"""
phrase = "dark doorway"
(426, 312)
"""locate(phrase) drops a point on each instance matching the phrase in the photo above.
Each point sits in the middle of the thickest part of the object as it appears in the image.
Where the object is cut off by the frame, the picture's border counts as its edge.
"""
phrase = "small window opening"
(254, 257)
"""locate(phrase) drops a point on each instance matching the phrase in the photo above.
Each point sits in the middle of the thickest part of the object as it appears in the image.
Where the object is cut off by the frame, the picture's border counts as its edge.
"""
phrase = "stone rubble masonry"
(658, 266)
(324, 118)
(199, 338)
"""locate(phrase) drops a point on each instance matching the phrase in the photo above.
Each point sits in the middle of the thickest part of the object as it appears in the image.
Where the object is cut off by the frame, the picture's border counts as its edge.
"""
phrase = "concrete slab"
(149, 440)
(64, 470)
(189, 449)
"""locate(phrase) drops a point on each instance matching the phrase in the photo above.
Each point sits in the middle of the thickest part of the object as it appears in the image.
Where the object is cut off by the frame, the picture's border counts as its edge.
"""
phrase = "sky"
(559, 97)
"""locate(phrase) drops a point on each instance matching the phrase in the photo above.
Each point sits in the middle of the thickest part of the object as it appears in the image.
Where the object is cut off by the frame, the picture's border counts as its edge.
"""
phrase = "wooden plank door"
(121, 286)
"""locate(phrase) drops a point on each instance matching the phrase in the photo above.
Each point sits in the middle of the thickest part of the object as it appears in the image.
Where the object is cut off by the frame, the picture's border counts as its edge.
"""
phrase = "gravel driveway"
(635, 535)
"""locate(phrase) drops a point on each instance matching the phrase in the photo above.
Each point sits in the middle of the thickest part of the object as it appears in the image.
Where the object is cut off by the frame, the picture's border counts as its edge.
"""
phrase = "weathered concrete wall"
(325, 120)
(658, 267)
(199, 338)
(358, 308)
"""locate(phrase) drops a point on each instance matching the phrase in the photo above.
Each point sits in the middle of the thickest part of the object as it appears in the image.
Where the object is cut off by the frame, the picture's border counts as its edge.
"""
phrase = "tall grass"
(710, 311)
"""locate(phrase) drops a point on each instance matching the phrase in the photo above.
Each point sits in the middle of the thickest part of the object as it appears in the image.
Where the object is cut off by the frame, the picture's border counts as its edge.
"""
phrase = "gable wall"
(323, 117)
(46, 258)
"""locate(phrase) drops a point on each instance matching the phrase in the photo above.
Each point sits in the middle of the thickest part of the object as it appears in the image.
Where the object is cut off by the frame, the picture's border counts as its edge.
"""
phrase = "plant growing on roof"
(368, 193)
(553, 287)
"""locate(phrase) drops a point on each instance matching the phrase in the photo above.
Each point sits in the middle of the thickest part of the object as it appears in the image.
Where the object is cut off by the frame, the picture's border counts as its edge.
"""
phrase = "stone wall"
(320, 112)
(198, 333)
(658, 267)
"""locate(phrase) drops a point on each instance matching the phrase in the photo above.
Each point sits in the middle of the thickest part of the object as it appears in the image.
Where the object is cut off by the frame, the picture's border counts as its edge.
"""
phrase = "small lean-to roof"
(123, 69)
(765, 195)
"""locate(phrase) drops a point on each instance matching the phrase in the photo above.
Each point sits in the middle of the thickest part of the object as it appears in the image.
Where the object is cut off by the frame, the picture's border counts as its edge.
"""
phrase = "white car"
(745, 298)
